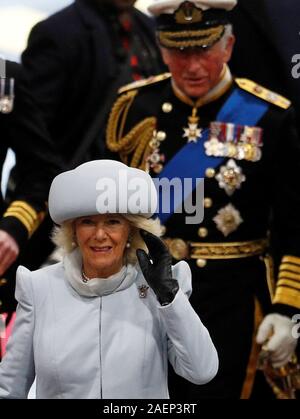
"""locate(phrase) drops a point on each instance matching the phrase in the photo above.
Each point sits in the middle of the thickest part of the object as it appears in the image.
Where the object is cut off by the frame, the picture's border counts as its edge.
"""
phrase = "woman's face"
(102, 241)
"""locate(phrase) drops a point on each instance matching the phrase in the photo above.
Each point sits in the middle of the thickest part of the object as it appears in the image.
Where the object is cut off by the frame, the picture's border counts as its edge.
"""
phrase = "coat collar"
(96, 287)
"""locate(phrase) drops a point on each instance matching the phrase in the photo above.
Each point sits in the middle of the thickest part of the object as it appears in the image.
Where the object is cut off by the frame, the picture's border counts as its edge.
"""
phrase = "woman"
(97, 324)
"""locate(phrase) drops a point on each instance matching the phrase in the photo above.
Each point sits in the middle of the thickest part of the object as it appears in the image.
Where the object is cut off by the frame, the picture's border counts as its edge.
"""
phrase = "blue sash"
(241, 108)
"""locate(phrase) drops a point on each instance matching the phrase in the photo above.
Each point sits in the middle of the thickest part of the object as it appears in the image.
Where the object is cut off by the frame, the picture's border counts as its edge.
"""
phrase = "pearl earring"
(128, 245)
(74, 241)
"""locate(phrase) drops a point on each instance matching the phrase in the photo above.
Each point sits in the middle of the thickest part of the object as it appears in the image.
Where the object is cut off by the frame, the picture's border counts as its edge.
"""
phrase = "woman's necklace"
(85, 279)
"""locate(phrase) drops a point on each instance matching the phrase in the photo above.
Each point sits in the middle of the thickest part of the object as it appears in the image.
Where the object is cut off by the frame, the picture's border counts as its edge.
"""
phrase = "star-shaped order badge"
(228, 219)
(192, 133)
(230, 177)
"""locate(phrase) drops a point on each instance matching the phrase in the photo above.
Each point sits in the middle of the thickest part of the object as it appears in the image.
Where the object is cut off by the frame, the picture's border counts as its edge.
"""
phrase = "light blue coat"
(116, 346)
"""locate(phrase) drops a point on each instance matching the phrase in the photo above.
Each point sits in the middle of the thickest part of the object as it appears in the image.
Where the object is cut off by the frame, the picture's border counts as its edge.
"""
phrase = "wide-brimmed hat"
(101, 187)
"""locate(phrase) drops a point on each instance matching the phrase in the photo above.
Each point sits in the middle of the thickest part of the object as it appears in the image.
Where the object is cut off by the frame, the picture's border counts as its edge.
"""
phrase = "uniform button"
(258, 89)
(167, 107)
(3, 281)
(161, 136)
(207, 202)
(210, 172)
(202, 232)
(201, 263)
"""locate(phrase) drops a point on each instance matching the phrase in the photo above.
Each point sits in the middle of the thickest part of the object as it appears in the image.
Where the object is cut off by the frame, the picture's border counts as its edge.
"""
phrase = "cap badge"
(188, 13)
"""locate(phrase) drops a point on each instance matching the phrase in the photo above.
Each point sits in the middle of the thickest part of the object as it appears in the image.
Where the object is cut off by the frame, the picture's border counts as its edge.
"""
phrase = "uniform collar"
(219, 90)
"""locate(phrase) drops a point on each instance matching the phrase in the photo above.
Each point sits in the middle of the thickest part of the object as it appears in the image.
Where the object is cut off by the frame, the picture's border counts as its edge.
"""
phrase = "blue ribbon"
(241, 108)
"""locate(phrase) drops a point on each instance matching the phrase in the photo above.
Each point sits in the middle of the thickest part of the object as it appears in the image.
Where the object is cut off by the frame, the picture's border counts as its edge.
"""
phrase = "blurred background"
(18, 16)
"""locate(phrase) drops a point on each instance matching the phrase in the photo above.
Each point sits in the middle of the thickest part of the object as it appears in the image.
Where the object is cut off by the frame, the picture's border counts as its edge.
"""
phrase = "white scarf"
(96, 287)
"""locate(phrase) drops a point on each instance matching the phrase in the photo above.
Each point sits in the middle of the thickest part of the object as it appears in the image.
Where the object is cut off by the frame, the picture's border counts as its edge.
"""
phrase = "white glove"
(275, 332)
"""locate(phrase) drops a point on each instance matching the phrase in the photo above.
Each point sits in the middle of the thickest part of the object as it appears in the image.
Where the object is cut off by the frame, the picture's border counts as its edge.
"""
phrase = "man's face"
(120, 4)
(196, 71)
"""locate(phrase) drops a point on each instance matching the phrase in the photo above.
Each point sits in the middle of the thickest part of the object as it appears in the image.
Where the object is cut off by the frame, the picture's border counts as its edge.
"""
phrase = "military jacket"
(245, 196)
(23, 131)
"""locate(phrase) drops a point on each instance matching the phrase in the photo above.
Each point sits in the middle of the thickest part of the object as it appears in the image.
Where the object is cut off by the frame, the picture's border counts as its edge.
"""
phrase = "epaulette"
(145, 82)
(263, 93)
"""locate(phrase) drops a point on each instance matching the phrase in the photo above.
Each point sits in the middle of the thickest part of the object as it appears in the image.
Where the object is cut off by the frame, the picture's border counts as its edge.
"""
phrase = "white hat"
(158, 7)
(101, 187)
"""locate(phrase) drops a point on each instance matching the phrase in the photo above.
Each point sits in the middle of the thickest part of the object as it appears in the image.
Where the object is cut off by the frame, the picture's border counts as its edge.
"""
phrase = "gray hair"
(227, 34)
(64, 235)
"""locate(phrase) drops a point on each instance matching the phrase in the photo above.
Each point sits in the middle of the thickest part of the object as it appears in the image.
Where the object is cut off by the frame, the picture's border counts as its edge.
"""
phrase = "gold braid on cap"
(188, 39)
(136, 142)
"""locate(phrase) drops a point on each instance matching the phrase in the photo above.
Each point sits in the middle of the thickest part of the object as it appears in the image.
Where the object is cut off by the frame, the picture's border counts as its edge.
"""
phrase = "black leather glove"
(157, 273)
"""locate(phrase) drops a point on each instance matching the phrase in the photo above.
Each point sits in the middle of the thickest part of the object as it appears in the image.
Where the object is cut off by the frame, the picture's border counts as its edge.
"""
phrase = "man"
(199, 122)
(22, 130)
(267, 45)
(76, 60)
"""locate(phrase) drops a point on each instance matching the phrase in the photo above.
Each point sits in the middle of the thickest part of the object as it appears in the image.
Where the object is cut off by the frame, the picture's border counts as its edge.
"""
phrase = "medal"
(193, 132)
(228, 219)
(234, 141)
(212, 147)
(156, 158)
(230, 177)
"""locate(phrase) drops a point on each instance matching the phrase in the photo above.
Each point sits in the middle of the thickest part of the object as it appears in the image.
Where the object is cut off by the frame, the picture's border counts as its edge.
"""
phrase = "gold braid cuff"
(288, 285)
(136, 142)
(26, 214)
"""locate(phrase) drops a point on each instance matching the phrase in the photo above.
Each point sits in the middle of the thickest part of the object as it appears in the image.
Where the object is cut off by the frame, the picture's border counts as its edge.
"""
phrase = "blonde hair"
(64, 235)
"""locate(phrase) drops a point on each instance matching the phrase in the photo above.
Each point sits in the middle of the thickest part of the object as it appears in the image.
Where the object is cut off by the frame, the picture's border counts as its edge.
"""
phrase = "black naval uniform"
(228, 279)
(23, 131)
(267, 39)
